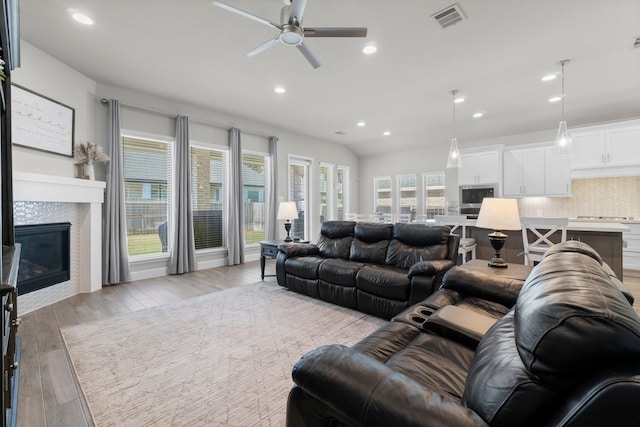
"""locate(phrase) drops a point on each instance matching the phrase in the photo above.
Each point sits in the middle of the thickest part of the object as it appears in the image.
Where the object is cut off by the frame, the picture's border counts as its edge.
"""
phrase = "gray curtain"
(235, 225)
(115, 255)
(271, 211)
(182, 258)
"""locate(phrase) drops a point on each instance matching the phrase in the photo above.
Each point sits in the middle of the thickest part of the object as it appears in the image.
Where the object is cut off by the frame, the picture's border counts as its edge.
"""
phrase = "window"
(326, 192)
(254, 176)
(382, 194)
(434, 203)
(299, 193)
(147, 190)
(407, 196)
(208, 186)
(342, 195)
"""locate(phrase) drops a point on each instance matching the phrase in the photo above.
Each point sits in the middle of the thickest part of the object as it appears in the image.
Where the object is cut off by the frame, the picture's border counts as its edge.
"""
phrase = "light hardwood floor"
(49, 394)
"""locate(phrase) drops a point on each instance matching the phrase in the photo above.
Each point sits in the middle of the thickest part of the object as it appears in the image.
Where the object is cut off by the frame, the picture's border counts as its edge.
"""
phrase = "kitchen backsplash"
(615, 196)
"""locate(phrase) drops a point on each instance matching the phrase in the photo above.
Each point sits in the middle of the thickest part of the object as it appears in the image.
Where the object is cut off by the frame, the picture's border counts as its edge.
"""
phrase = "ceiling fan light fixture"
(549, 77)
(291, 35)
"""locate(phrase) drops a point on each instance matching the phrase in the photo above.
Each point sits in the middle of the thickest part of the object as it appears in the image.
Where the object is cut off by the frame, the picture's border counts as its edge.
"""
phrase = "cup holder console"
(415, 316)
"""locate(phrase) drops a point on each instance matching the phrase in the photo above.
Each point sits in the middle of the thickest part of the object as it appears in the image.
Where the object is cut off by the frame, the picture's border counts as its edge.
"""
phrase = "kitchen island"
(604, 237)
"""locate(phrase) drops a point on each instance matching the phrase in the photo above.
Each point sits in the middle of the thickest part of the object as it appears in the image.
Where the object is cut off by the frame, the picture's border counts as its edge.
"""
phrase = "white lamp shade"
(287, 210)
(499, 214)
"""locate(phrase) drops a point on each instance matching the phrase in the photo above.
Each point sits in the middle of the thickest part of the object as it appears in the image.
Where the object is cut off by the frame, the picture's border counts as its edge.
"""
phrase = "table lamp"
(498, 214)
(287, 211)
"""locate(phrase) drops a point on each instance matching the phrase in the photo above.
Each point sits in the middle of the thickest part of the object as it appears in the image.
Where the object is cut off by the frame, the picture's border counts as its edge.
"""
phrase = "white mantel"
(32, 187)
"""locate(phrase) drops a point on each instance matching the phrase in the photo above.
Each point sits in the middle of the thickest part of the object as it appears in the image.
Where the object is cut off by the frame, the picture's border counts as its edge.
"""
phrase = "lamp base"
(497, 239)
(287, 226)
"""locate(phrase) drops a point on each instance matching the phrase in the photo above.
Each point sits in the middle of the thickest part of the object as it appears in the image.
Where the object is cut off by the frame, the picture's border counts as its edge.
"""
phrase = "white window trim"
(332, 207)
(375, 190)
(346, 190)
(309, 199)
(397, 197)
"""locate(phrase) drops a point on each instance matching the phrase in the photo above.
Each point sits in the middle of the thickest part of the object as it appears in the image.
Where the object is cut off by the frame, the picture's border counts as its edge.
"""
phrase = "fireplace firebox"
(45, 255)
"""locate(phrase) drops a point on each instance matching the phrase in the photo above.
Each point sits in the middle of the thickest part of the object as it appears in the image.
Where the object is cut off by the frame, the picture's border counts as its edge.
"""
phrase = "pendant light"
(563, 144)
(454, 160)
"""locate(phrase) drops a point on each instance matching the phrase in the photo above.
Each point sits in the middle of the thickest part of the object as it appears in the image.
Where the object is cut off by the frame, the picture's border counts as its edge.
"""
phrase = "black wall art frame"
(41, 123)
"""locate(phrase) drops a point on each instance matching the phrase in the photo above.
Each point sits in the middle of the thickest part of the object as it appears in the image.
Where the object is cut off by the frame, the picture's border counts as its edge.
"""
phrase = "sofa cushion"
(401, 255)
(499, 388)
(373, 253)
(569, 302)
(417, 242)
(372, 232)
(384, 281)
(335, 239)
(370, 242)
(339, 271)
(304, 266)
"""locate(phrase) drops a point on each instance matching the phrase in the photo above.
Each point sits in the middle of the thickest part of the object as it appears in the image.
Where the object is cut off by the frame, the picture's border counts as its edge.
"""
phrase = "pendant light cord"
(562, 64)
(453, 93)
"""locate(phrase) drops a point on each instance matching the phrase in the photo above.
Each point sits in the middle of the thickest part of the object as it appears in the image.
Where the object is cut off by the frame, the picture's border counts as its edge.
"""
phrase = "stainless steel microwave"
(471, 197)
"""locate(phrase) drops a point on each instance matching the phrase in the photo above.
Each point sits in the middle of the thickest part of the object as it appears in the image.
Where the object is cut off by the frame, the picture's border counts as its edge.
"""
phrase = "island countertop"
(606, 227)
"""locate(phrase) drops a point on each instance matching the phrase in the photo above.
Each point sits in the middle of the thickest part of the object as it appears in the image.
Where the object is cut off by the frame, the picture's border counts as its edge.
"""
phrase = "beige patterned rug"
(223, 359)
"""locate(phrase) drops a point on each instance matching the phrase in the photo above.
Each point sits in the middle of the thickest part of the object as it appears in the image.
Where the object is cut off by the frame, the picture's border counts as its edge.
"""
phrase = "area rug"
(223, 359)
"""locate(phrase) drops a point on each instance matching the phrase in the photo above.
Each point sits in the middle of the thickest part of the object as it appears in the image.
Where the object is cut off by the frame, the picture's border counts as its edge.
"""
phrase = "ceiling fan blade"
(297, 9)
(246, 15)
(309, 55)
(336, 32)
(263, 47)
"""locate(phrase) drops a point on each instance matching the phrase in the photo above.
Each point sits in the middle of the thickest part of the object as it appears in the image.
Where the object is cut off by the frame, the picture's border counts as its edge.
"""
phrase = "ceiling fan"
(291, 31)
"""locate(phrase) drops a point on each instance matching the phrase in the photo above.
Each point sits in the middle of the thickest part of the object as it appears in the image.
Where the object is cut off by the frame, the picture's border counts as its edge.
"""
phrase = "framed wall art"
(41, 123)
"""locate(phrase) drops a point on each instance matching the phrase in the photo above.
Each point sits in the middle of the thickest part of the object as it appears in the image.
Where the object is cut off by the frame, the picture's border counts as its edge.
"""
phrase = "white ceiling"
(194, 52)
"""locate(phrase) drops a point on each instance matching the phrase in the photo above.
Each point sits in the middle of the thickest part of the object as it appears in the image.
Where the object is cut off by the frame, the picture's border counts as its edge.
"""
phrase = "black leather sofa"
(566, 354)
(379, 269)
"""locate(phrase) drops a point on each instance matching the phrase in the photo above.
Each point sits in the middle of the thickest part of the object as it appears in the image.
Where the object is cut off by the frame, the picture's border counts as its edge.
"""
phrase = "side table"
(268, 249)
(514, 271)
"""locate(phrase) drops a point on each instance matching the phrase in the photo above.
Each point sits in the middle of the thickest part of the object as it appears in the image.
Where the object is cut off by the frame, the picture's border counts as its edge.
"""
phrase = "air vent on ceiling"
(636, 42)
(449, 16)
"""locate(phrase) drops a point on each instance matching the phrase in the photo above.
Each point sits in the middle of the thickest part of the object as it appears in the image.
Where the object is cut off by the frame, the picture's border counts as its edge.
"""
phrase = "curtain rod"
(203, 122)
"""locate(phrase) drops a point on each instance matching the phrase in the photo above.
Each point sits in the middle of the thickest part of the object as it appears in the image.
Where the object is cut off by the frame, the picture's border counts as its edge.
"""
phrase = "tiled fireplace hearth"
(42, 199)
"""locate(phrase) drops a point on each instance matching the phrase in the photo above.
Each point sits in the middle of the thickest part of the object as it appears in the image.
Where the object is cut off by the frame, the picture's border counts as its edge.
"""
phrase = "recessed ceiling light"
(279, 89)
(370, 49)
(386, 133)
(82, 18)
(478, 115)
(549, 77)
(555, 98)
(361, 123)
(459, 100)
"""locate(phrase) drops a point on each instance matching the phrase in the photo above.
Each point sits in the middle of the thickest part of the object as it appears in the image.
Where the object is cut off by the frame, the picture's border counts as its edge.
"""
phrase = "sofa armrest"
(430, 268)
(364, 391)
(440, 298)
(503, 290)
(298, 249)
(464, 326)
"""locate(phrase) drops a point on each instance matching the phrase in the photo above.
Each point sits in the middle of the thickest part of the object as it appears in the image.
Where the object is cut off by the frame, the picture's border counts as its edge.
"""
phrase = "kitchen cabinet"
(480, 168)
(536, 171)
(607, 245)
(557, 173)
(524, 172)
(631, 247)
(607, 146)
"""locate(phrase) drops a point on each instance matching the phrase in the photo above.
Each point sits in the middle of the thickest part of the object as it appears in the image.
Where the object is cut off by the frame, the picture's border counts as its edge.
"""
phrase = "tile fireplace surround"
(46, 198)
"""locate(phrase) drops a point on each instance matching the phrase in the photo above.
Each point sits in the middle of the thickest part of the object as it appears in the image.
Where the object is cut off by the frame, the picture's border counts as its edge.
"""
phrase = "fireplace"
(44, 257)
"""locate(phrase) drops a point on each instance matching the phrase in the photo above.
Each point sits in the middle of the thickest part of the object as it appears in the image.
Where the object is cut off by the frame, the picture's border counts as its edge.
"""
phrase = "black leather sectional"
(376, 268)
(566, 352)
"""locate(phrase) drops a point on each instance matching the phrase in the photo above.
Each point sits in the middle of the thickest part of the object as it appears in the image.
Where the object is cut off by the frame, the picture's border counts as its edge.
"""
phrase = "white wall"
(47, 76)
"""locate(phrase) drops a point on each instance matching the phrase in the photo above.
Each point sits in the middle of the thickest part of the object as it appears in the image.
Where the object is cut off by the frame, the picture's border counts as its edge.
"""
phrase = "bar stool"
(467, 244)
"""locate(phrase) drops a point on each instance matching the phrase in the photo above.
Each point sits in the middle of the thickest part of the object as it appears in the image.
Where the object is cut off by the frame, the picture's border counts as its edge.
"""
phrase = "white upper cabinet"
(482, 167)
(524, 172)
(557, 173)
(606, 150)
